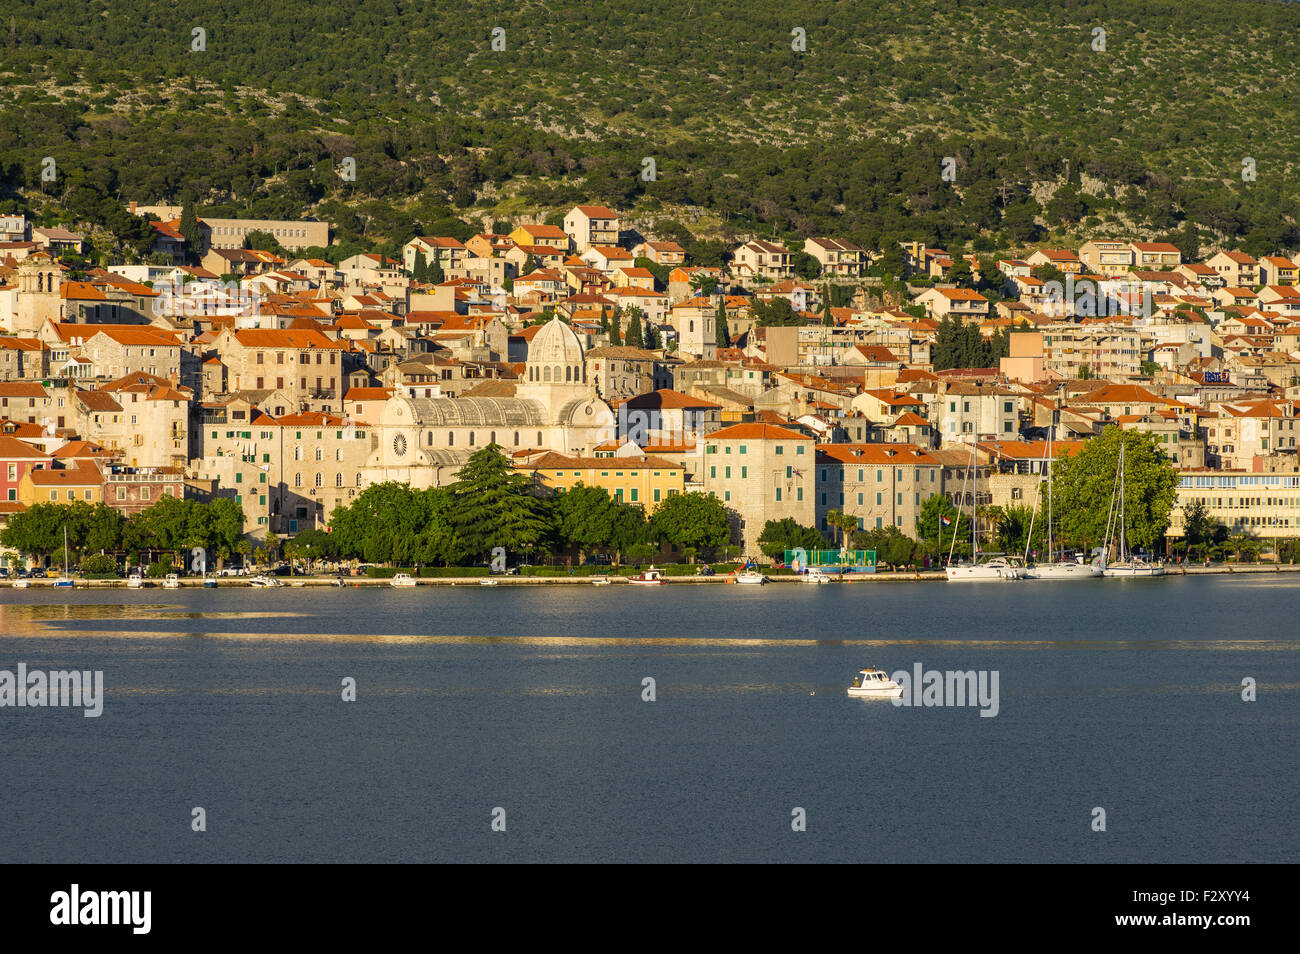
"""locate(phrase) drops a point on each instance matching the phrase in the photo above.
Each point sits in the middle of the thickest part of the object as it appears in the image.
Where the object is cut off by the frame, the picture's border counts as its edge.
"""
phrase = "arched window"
(546, 376)
(320, 480)
(297, 452)
(358, 479)
(320, 453)
(451, 438)
(297, 480)
(568, 374)
(429, 438)
(539, 438)
(471, 438)
(516, 438)
(338, 480)
(692, 326)
(338, 453)
(492, 437)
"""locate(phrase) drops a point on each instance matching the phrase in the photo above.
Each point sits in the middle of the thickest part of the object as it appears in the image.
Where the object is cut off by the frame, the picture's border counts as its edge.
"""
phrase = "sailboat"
(998, 568)
(1128, 564)
(65, 579)
(1053, 569)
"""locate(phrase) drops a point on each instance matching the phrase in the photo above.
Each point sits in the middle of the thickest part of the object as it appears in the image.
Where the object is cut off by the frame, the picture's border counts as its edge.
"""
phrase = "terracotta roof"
(756, 432)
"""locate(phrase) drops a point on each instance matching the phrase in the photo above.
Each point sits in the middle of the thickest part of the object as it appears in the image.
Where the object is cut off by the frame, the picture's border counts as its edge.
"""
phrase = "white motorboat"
(750, 577)
(488, 582)
(817, 576)
(137, 580)
(600, 581)
(402, 579)
(648, 577)
(874, 684)
(171, 582)
(264, 582)
(22, 584)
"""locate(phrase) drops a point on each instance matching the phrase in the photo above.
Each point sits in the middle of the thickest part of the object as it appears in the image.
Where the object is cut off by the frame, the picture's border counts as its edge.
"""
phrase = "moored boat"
(750, 577)
(402, 579)
(171, 582)
(817, 576)
(264, 582)
(648, 577)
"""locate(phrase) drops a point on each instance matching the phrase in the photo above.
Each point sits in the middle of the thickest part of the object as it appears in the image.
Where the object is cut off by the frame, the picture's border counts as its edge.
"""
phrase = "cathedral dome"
(555, 356)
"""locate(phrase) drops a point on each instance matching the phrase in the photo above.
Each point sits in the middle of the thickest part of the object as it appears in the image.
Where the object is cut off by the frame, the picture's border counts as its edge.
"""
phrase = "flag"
(947, 521)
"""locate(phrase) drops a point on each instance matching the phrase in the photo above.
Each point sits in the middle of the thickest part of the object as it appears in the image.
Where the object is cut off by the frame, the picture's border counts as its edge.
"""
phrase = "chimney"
(133, 207)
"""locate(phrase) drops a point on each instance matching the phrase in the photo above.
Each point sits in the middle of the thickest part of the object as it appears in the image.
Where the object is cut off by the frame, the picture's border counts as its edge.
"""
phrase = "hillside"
(846, 137)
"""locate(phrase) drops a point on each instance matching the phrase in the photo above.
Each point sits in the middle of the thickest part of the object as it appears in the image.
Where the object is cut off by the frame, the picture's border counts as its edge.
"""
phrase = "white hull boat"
(22, 584)
(649, 577)
(874, 684)
(996, 569)
(171, 582)
(817, 576)
(264, 582)
(1064, 570)
(1134, 568)
(751, 578)
(600, 581)
(402, 579)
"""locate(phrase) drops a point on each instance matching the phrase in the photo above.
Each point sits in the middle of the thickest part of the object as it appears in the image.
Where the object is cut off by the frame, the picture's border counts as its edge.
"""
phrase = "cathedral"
(425, 441)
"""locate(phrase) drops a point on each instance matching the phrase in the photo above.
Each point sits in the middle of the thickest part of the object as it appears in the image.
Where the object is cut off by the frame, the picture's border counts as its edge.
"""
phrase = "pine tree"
(616, 331)
(651, 336)
(436, 274)
(492, 505)
(421, 270)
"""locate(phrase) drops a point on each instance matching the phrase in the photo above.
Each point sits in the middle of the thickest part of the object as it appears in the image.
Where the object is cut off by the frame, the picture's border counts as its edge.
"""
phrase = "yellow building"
(644, 480)
(65, 485)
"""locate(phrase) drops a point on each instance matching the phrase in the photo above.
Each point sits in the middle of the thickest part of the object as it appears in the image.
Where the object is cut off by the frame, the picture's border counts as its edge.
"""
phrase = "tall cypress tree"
(616, 330)
(827, 320)
(190, 229)
(634, 337)
(721, 334)
(651, 336)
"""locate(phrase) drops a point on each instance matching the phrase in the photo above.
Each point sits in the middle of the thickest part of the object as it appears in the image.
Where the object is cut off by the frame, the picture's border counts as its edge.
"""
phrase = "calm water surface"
(1119, 694)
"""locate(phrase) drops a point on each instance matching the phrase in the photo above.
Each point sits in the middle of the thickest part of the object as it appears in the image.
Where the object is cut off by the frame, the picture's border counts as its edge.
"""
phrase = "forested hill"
(846, 136)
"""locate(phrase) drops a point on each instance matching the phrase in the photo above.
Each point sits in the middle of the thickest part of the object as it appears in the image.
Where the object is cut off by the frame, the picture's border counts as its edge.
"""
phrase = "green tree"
(690, 520)
(788, 534)
(1083, 485)
(493, 506)
(1012, 525)
(588, 519)
(939, 537)
(721, 332)
(635, 339)
(190, 229)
